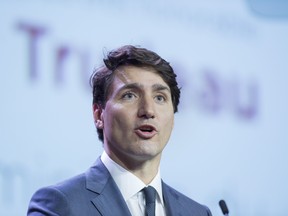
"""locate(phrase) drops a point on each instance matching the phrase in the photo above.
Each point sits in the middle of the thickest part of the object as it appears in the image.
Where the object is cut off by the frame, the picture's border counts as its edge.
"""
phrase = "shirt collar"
(128, 183)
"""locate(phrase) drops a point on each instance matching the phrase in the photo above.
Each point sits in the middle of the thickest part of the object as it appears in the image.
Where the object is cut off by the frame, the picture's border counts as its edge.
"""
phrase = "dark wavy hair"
(102, 77)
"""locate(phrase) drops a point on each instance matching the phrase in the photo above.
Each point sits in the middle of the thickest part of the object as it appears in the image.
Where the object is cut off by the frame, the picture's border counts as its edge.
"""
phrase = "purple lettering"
(34, 32)
(211, 95)
(245, 102)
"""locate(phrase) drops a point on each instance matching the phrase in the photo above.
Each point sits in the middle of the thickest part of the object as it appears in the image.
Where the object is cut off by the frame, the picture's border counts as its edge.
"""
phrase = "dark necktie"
(150, 197)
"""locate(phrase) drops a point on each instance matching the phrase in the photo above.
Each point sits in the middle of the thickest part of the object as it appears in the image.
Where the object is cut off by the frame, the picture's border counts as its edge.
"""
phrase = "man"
(135, 96)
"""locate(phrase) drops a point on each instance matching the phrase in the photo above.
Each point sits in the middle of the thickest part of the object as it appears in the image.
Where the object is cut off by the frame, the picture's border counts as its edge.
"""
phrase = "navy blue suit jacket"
(95, 193)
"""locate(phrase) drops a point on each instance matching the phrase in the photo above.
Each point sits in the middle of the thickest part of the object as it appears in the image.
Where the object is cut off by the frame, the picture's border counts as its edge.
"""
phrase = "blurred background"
(231, 133)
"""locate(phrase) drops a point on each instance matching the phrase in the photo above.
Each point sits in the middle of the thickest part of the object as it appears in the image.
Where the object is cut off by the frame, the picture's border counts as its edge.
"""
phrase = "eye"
(160, 98)
(128, 96)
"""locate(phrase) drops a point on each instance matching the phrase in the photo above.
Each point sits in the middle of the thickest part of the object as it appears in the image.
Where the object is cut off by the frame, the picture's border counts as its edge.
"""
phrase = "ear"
(98, 116)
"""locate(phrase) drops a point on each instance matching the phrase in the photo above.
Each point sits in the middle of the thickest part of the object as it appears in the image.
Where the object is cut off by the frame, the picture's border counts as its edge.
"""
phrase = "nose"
(146, 108)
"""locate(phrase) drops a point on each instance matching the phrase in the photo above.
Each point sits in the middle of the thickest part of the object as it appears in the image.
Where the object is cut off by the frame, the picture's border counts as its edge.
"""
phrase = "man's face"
(138, 117)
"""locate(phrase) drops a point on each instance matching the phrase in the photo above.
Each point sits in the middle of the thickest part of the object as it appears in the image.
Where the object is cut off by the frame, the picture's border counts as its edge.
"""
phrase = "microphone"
(224, 207)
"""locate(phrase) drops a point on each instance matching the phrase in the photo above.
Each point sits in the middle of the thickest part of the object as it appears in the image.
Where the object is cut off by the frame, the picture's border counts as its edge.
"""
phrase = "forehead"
(145, 76)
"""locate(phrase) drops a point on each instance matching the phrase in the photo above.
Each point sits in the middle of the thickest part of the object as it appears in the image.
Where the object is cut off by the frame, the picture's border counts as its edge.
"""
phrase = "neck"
(146, 173)
(144, 168)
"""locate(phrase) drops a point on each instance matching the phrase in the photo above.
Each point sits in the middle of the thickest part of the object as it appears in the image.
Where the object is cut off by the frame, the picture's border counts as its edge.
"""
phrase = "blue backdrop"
(230, 139)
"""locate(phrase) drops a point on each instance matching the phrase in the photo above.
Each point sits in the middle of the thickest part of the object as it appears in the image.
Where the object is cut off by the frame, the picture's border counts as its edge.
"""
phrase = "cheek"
(169, 119)
(171, 125)
(116, 120)
(168, 124)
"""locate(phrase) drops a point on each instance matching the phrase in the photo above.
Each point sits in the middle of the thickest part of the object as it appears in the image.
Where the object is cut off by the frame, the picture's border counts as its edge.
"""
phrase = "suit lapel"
(108, 199)
(178, 204)
(171, 200)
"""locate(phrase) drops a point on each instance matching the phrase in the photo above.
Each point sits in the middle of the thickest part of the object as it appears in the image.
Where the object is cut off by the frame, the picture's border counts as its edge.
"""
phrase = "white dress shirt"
(130, 186)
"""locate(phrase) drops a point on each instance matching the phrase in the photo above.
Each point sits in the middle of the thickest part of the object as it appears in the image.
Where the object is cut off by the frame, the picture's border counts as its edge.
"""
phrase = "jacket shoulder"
(56, 199)
(187, 206)
(72, 196)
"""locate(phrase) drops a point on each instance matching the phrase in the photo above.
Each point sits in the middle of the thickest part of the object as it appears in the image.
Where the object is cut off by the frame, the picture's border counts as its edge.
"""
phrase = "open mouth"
(146, 128)
(146, 131)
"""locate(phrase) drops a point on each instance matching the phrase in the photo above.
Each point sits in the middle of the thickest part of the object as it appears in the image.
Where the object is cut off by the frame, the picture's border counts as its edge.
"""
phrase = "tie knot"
(150, 194)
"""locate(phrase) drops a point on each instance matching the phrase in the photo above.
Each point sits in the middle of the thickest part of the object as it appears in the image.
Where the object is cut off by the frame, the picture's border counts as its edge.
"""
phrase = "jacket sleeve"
(208, 211)
(48, 201)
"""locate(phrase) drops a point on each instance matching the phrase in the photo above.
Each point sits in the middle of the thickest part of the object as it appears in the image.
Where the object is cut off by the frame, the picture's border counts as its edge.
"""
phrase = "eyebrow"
(160, 87)
(155, 87)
